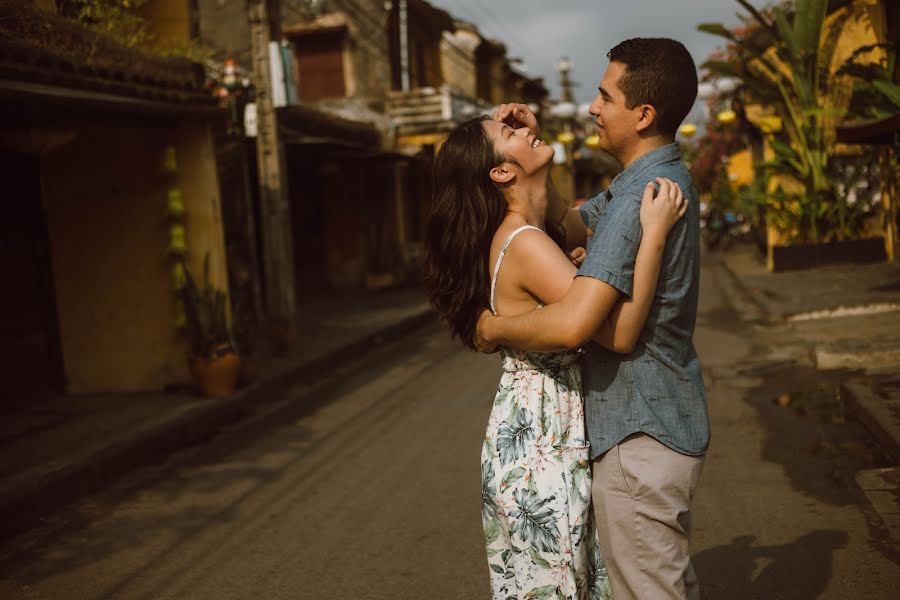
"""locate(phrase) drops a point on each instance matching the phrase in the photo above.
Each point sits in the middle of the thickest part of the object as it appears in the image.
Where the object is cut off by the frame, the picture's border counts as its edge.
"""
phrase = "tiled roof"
(40, 50)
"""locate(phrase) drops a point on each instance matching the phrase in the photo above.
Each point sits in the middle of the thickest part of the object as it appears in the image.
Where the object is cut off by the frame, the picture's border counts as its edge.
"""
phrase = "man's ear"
(502, 174)
(647, 118)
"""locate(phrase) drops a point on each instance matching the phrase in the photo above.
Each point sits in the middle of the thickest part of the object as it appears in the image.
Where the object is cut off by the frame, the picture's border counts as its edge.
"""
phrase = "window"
(320, 66)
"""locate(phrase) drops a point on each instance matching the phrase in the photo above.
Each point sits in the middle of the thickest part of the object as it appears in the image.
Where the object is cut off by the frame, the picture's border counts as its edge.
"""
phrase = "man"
(645, 411)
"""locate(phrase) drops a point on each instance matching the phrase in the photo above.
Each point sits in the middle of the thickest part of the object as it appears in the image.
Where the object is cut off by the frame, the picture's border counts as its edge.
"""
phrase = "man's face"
(616, 123)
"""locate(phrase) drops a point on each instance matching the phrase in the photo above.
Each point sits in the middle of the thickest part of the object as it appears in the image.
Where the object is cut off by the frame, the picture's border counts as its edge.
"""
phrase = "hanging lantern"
(726, 117)
(175, 203)
(688, 130)
(179, 278)
(566, 137)
(770, 124)
(177, 243)
(229, 79)
(592, 141)
(170, 162)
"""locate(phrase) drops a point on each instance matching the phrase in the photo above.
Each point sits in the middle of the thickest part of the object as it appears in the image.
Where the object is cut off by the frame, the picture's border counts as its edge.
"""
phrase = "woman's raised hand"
(518, 115)
(661, 210)
(577, 256)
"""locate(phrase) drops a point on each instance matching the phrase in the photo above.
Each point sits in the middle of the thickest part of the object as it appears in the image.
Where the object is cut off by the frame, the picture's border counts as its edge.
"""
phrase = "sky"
(541, 31)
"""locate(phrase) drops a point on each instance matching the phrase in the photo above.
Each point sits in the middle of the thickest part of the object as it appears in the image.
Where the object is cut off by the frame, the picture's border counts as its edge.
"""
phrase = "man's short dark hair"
(659, 72)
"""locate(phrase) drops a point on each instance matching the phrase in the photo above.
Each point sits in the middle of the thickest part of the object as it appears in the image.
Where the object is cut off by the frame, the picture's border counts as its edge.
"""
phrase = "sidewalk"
(797, 293)
(846, 317)
(58, 450)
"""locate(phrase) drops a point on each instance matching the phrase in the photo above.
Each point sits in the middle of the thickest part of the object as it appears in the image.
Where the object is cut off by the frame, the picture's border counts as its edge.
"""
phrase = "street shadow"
(235, 458)
(811, 433)
(799, 570)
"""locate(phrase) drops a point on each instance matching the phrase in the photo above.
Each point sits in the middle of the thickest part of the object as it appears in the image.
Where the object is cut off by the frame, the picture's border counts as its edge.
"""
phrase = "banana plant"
(782, 65)
(209, 335)
(875, 95)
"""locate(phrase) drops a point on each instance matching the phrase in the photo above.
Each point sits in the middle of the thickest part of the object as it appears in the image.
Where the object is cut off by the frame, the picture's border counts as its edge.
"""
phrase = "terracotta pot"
(216, 377)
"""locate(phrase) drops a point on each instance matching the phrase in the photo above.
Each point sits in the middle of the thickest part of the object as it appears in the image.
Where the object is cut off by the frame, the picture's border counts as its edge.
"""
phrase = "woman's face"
(519, 146)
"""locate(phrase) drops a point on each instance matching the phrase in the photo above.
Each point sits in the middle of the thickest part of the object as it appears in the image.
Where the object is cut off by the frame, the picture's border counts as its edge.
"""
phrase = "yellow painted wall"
(105, 197)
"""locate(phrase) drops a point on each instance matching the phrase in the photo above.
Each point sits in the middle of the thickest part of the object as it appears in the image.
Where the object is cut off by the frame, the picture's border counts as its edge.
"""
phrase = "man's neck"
(644, 146)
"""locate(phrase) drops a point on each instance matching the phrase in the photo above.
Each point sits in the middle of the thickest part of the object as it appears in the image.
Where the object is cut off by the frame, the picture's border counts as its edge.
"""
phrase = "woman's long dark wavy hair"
(466, 212)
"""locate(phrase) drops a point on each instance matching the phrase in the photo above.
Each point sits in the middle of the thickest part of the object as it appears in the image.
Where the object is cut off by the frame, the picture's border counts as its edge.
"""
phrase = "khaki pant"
(642, 495)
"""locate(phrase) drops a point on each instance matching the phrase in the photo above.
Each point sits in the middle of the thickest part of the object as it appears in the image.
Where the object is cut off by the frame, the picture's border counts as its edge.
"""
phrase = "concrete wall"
(367, 63)
(225, 27)
(458, 61)
(105, 196)
(169, 20)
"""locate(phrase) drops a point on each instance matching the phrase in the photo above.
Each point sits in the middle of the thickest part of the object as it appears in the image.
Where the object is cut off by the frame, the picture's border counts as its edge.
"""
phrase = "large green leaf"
(756, 14)
(786, 35)
(719, 30)
(809, 19)
(721, 67)
(890, 89)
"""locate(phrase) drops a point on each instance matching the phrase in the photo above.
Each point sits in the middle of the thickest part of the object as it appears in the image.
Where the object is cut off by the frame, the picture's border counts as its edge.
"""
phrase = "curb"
(874, 411)
(25, 503)
(739, 294)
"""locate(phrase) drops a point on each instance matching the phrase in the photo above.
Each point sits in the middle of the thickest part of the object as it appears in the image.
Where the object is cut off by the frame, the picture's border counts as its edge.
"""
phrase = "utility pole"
(564, 66)
(277, 242)
(404, 46)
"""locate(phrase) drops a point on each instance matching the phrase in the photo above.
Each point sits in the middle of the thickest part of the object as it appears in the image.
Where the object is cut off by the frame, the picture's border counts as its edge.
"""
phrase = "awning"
(299, 124)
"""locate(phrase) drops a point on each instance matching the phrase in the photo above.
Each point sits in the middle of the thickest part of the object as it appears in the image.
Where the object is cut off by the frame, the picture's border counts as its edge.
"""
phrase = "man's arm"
(621, 331)
(585, 310)
(606, 274)
(565, 325)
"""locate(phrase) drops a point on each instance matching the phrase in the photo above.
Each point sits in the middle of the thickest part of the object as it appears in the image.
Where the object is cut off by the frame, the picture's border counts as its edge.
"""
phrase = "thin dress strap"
(500, 260)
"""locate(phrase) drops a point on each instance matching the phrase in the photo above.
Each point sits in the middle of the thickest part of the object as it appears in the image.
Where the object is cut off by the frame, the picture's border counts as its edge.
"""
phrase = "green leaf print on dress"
(535, 520)
(513, 437)
(538, 527)
(488, 504)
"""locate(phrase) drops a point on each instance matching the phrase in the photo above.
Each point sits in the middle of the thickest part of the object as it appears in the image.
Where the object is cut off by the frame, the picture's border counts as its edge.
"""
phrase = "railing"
(431, 110)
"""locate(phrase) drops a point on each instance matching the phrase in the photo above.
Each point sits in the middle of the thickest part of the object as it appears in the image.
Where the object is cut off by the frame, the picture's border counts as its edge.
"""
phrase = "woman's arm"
(538, 266)
(620, 332)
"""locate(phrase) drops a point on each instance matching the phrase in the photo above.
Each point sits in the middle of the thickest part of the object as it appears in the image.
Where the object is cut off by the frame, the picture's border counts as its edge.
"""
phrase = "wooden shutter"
(320, 67)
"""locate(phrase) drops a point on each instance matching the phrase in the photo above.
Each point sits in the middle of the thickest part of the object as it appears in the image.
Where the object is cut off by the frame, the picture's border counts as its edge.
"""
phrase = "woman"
(489, 245)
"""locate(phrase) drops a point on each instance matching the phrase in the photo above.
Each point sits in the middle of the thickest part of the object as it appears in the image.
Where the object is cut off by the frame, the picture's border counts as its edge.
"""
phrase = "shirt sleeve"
(614, 247)
(591, 210)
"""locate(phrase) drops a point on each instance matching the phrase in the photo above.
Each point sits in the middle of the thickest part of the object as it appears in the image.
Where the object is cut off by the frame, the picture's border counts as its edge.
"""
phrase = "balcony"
(431, 110)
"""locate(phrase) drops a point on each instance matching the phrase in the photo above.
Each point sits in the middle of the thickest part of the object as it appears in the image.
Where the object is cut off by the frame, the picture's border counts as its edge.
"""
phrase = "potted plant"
(212, 355)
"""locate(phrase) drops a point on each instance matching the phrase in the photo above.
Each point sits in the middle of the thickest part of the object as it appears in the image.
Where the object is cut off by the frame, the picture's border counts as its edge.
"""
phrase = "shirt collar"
(663, 154)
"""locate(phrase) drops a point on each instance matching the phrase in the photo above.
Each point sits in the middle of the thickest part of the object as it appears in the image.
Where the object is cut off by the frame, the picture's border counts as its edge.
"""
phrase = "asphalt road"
(368, 488)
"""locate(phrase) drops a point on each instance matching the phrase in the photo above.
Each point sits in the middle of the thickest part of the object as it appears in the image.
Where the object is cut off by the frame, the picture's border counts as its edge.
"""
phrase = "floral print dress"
(536, 480)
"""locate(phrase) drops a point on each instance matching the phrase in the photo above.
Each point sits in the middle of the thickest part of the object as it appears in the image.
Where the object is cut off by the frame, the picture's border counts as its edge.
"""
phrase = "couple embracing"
(597, 435)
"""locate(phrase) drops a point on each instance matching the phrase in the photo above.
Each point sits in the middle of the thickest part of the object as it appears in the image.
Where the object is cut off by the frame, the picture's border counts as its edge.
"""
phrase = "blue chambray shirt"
(658, 389)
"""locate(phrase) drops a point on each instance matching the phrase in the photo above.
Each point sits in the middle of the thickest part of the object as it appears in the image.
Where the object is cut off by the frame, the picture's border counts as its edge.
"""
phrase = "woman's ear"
(647, 117)
(502, 174)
